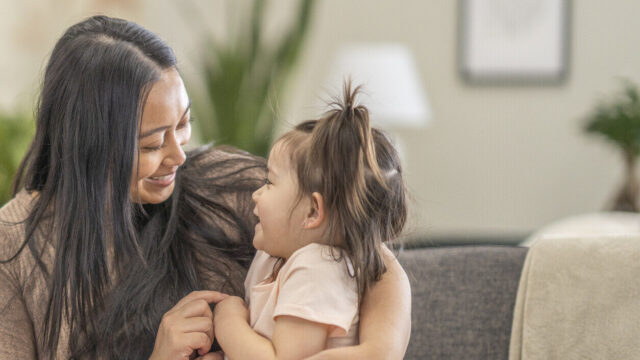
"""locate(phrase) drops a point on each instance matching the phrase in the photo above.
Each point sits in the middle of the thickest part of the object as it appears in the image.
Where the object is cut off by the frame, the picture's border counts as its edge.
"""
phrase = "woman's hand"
(187, 327)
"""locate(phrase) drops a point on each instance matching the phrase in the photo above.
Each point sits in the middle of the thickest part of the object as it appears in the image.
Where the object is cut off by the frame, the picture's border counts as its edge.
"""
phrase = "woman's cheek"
(184, 135)
(147, 165)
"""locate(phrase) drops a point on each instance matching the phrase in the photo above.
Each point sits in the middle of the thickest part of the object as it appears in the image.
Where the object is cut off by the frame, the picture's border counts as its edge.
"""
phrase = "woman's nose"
(176, 156)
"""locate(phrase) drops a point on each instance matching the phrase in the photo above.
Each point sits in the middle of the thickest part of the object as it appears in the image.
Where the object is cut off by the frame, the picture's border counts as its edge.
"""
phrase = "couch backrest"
(463, 300)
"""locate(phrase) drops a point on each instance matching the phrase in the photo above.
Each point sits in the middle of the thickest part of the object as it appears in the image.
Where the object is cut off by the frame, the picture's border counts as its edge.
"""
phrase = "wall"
(495, 160)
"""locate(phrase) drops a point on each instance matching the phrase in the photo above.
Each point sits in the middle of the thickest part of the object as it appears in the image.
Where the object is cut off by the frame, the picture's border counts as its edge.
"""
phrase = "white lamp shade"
(392, 90)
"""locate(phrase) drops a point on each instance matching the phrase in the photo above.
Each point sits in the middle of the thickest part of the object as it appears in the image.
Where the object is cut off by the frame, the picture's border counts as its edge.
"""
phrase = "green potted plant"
(244, 78)
(16, 131)
(618, 120)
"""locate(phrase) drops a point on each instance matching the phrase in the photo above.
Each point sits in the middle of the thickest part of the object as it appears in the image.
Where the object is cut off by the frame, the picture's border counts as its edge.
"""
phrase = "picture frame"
(514, 42)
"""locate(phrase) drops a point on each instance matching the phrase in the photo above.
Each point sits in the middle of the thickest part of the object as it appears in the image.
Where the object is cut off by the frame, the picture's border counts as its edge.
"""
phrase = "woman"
(112, 227)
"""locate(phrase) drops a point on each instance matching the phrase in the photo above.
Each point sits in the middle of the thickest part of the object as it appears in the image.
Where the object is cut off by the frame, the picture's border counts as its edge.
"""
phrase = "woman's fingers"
(177, 319)
(198, 341)
(197, 316)
(207, 295)
(188, 326)
(196, 324)
(196, 308)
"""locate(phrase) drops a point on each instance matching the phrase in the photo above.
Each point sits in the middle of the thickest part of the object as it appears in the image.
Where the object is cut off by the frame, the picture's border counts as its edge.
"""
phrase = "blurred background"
(494, 108)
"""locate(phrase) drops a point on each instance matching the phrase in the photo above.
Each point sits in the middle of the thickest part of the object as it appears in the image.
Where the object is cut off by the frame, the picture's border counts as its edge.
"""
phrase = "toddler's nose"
(256, 193)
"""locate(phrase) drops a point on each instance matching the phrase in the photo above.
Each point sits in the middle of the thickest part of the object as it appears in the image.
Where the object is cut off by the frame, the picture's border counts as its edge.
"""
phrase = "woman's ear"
(317, 214)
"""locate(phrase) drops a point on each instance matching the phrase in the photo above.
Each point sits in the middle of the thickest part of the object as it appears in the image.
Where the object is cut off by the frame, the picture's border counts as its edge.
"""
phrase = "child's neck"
(319, 240)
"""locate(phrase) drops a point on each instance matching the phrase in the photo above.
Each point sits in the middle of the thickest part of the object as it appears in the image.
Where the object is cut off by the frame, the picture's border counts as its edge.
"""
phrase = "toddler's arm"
(293, 338)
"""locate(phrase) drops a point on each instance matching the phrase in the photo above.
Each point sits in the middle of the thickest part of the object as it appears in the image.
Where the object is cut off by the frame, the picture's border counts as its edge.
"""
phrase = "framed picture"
(513, 41)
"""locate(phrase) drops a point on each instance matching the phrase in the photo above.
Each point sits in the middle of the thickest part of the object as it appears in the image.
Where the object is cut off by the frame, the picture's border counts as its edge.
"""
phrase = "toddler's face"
(279, 231)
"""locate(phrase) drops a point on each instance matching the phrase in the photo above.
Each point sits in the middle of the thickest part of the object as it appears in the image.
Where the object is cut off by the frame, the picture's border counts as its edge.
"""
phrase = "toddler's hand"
(231, 308)
(212, 356)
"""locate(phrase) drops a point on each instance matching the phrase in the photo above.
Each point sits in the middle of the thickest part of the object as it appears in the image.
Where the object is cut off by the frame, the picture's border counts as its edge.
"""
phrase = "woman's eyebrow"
(186, 110)
(153, 131)
(163, 128)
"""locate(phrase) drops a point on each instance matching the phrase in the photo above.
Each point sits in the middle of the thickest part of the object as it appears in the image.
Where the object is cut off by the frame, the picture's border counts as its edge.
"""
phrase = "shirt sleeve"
(316, 287)
(16, 328)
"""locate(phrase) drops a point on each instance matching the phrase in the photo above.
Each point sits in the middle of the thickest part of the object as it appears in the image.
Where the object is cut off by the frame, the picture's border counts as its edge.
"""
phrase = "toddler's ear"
(317, 214)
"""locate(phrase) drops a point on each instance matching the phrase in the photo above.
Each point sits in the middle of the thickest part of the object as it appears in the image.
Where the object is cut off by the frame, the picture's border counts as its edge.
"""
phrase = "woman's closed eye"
(152, 148)
(186, 123)
(179, 127)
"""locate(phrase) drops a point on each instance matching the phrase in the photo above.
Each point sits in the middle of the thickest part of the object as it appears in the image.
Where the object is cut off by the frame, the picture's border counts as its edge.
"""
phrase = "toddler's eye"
(267, 182)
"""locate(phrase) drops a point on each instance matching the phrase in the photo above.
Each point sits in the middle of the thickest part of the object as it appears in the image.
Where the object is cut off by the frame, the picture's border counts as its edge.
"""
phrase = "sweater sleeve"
(16, 327)
(17, 335)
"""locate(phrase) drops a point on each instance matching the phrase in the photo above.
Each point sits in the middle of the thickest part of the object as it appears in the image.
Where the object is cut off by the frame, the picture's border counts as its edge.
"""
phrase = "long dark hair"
(358, 172)
(81, 163)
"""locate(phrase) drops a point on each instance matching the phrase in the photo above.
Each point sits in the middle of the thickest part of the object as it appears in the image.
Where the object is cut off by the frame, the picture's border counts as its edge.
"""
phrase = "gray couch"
(463, 300)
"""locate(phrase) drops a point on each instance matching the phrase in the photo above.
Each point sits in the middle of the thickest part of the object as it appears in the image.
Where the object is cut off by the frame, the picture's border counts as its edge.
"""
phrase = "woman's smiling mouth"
(163, 180)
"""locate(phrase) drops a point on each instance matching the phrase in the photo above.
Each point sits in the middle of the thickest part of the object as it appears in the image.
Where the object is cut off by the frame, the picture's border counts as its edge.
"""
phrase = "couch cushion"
(463, 300)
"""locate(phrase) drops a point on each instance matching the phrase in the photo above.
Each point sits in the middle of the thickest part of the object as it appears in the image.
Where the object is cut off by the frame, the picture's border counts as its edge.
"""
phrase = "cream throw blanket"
(579, 298)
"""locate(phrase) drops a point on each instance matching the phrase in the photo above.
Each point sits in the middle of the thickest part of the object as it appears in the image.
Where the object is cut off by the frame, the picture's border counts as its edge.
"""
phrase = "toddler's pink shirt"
(311, 285)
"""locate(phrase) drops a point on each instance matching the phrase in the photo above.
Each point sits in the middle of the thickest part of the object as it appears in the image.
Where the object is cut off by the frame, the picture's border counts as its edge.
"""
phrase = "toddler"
(333, 195)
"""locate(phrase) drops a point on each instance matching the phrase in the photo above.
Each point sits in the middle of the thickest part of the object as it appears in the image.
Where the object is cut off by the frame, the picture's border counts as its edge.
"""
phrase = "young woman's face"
(279, 231)
(164, 129)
